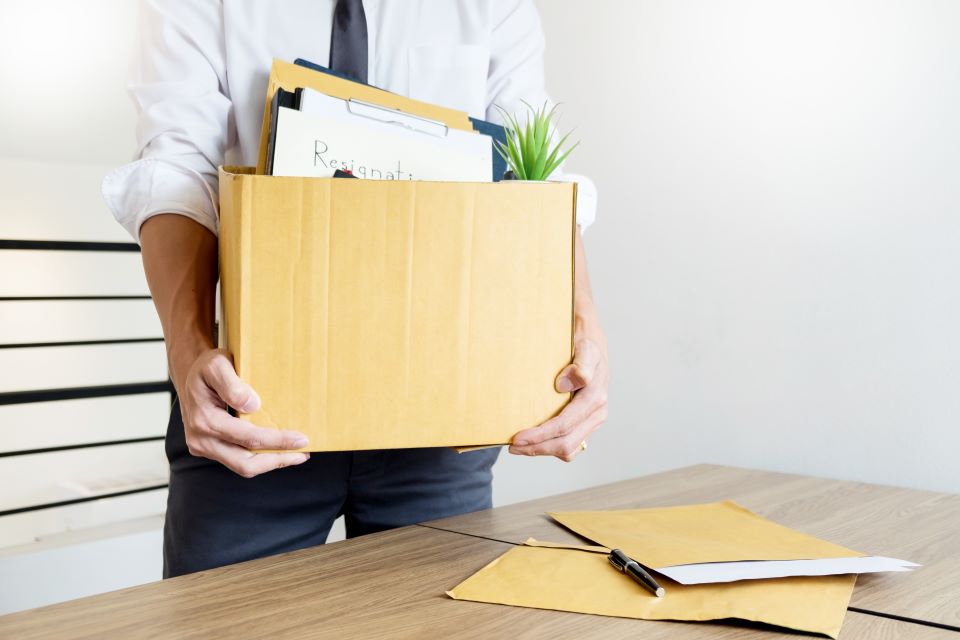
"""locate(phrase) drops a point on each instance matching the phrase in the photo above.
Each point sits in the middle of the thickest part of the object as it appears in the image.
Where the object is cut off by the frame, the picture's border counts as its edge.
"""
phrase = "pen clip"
(616, 564)
(620, 558)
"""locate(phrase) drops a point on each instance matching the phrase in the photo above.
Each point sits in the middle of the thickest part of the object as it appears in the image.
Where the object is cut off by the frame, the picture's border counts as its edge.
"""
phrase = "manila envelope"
(691, 534)
(580, 579)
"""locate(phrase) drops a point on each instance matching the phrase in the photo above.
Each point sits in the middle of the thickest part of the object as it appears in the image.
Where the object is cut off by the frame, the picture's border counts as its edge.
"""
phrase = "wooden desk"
(388, 585)
(902, 523)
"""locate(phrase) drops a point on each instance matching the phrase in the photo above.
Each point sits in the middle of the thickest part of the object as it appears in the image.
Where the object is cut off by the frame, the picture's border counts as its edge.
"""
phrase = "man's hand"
(180, 260)
(211, 386)
(565, 436)
(562, 436)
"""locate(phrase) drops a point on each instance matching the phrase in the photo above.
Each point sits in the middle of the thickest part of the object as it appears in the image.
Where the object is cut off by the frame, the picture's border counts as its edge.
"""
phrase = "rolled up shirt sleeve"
(516, 76)
(184, 117)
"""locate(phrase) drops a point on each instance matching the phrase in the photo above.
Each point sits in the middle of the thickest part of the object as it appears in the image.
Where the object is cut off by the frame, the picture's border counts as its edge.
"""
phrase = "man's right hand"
(210, 388)
(180, 261)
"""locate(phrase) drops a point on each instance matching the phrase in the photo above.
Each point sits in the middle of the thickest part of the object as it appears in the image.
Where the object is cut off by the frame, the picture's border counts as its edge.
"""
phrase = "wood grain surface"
(921, 526)
(387, 585)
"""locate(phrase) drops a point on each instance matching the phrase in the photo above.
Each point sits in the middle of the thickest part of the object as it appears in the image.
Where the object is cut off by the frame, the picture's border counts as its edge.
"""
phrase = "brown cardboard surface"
(389, 314)
(288, 76)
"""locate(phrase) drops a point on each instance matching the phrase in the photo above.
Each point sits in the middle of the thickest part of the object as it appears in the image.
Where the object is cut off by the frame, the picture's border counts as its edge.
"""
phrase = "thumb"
(220, 375)
(581, 371)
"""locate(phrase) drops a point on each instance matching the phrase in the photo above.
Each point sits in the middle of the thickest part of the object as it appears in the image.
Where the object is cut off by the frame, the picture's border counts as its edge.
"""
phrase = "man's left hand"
(565, 436)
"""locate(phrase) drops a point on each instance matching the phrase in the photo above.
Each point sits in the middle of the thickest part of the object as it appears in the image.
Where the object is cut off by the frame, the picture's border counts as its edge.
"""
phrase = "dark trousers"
(215, 517)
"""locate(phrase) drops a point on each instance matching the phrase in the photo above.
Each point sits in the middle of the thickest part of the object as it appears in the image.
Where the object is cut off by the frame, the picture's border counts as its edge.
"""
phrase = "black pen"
(622, 563)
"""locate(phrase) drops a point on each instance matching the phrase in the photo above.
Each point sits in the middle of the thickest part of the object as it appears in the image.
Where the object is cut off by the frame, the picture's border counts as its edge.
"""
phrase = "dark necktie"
(348, 40)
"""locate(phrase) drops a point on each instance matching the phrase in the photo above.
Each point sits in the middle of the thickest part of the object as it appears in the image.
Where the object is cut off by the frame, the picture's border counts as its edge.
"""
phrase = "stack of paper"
(716, 561)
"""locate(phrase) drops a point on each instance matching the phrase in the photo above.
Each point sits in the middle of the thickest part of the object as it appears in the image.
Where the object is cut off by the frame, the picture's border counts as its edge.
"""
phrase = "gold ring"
(583, 445)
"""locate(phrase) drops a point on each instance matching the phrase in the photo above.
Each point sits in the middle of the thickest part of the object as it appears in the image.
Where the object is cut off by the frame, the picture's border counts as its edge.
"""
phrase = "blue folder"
(496, 132)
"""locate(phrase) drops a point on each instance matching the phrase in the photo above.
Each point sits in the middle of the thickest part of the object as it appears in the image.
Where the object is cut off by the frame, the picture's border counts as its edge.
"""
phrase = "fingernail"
(306, 456)
(300, 443)
(564, 385)
(520, 443)
(252, 403)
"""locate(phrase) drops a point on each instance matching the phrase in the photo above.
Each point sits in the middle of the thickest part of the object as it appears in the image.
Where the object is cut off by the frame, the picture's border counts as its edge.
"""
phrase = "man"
(199, 91)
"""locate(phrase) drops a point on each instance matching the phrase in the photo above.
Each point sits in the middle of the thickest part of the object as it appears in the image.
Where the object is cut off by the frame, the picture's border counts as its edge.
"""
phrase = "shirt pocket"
(453, 76)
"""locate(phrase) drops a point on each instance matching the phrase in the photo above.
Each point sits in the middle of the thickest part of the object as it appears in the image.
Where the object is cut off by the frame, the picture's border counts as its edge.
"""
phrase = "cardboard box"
(389, 314)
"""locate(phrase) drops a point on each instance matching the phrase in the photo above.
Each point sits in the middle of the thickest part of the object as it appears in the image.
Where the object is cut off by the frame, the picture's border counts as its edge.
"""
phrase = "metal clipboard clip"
(389, 115)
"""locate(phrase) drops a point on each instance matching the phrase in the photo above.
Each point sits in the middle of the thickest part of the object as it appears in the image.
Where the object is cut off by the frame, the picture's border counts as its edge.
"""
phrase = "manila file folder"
(375, 314)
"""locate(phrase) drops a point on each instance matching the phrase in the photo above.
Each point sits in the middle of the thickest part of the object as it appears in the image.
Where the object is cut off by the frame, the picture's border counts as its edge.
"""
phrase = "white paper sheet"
(326, 136)
(710, 572)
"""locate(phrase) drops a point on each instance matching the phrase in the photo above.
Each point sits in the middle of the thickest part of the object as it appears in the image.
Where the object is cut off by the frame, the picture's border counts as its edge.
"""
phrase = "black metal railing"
(75, 393)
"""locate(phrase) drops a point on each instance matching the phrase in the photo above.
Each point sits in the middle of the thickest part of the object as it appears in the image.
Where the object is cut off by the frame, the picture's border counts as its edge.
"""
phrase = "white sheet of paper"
(327, 136)
(710, 572)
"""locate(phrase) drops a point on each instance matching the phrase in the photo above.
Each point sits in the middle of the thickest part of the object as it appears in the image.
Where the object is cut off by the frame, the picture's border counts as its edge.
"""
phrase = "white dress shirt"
(200, 83)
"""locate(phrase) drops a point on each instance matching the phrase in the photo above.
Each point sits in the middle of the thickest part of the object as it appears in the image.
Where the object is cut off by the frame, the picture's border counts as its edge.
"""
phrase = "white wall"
(776, 252)
(63, 72)
(775, 255)
(81, 565)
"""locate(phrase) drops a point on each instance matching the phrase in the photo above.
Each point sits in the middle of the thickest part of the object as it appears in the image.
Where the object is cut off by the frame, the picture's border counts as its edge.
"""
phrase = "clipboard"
(496, 131)
(290, 77)
(327, 133)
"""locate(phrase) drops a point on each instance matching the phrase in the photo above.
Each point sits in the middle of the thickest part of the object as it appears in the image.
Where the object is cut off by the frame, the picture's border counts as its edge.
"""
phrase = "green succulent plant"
(529, 152)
